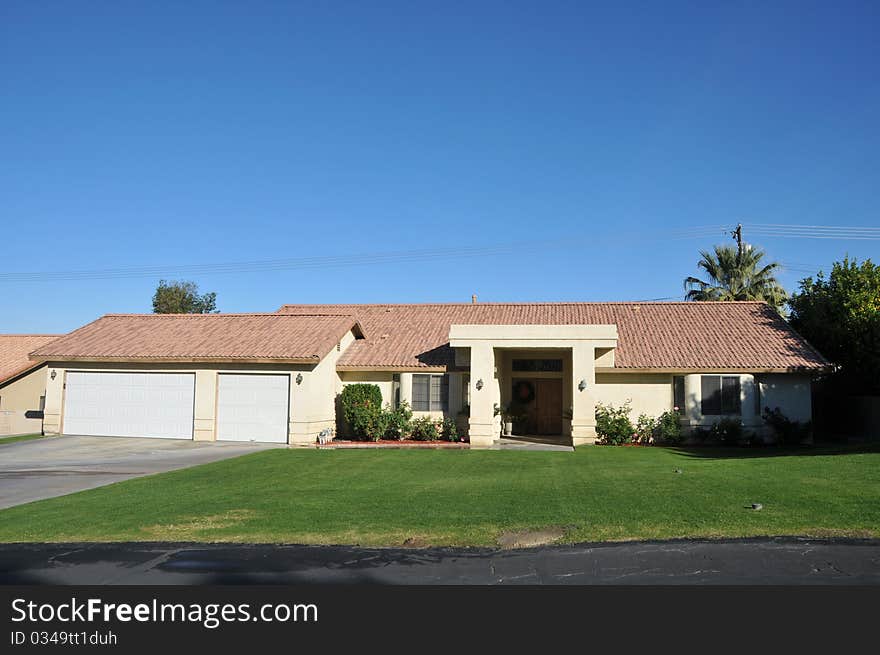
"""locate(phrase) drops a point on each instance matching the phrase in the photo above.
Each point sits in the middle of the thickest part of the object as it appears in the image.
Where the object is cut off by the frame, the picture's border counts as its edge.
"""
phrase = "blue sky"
(593, 142)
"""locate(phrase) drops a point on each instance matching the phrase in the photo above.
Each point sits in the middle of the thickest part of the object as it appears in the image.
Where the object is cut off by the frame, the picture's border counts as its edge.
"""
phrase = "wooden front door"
(548, 406)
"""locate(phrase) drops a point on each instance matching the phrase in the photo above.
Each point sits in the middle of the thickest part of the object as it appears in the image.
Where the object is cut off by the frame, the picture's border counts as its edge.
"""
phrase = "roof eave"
(313, 359)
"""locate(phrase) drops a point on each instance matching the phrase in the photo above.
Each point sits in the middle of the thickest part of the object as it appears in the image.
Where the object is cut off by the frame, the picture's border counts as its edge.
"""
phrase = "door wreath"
(523, 392)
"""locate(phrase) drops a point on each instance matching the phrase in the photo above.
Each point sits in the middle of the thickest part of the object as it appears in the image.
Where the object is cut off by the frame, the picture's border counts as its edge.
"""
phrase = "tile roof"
(14, 349)
(652, 335)
(200, 337)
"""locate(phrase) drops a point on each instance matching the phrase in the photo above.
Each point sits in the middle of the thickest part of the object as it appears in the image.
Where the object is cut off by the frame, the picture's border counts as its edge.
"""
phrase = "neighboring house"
(275, 377)
(22, 384)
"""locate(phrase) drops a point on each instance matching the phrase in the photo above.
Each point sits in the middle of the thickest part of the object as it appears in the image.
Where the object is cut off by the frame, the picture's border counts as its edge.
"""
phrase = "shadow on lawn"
(825, 449)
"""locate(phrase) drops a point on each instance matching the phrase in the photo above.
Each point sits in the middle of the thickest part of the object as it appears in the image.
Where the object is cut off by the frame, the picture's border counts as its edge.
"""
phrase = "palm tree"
(735, 275)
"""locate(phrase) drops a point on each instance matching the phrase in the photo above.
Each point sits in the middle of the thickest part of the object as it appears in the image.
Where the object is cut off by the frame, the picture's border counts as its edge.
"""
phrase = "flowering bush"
(399, 421)
(646, 426)
(668, 430)
(613, 426)
(424, 428)
(449, 429)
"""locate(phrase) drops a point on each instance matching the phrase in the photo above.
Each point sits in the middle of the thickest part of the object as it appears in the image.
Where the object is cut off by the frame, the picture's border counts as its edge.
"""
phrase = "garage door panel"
(129, 404)
(253, 407)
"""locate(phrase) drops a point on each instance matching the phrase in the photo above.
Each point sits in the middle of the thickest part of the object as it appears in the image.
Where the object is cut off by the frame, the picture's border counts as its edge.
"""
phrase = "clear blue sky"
(153, 133)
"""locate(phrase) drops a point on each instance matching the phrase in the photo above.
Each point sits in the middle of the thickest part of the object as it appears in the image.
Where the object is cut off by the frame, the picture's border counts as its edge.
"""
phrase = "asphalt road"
(55, 466)
(731, 562)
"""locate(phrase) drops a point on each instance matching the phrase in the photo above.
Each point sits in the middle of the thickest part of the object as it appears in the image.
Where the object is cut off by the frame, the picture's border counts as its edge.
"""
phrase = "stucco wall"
(19, 396)
(791, 393)
(650, 393)
(382, 379)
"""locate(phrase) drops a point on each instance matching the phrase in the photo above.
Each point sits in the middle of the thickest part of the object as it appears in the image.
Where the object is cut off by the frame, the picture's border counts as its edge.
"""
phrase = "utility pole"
(738, 235)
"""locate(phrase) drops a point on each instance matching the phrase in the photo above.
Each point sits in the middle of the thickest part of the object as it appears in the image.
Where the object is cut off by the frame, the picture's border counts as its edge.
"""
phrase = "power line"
(328, 261)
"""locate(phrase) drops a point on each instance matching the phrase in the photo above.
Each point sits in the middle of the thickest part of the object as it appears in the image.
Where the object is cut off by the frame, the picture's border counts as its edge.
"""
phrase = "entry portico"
(483, 348)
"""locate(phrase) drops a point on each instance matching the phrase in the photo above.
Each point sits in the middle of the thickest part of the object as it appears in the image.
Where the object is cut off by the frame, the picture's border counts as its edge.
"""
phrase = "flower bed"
(392, 443)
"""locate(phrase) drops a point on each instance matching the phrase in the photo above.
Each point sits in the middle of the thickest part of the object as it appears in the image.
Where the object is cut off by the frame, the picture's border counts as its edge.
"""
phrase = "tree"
(182, 297)
(735, 275)
(840, 316)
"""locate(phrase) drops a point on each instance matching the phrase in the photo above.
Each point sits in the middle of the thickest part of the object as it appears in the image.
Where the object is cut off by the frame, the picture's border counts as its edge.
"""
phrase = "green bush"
(646, 427)
(362, 411)
(399, 421)
(449, 430)
(727, 431)
(786, 431)
(668, 429)
(613, 426)
(424, 429)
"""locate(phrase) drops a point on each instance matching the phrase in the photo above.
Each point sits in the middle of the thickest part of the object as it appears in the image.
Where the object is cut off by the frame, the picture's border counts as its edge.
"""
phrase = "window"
(678, 392)
(537, 365)
(430, 393)
(720, 395)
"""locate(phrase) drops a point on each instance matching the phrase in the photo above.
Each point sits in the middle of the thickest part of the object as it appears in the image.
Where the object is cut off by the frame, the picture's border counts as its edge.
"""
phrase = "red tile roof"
(14, 349)
(202, 337)
(653, 335)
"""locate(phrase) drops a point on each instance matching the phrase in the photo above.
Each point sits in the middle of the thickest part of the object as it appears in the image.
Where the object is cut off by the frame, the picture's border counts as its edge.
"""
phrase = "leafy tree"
(182, 298)
(736, 276)
(840, 316)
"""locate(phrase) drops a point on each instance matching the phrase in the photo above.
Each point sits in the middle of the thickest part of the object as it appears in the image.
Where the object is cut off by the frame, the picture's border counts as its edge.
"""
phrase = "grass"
(20, 437)
(392, 497)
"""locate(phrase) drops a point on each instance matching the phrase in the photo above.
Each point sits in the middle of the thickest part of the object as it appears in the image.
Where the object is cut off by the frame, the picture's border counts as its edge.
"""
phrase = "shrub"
(424, 429)
(646, 427)
(449, 430)
(668, 429)
(399, 421)
(786, 431)
(613, 426)
(727, 431)
(362, 410)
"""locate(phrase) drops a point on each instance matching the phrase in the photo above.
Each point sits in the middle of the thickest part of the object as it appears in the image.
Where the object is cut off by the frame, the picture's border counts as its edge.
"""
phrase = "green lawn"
(439, 497)
(20, 437)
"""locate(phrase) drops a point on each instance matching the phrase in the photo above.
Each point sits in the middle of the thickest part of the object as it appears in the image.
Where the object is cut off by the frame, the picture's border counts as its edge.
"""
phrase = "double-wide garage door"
(161, 405)
(130, 404)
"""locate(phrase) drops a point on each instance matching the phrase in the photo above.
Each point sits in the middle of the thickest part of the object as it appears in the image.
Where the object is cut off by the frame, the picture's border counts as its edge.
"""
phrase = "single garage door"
(252, 407)
(130, 404)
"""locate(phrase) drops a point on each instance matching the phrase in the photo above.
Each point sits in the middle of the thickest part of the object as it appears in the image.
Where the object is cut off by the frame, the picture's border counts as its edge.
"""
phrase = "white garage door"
(130, 404)
(252, 407)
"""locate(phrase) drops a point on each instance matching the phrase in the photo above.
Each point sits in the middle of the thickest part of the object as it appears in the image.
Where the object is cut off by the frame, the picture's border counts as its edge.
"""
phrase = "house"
(276, 377)
(22, 384)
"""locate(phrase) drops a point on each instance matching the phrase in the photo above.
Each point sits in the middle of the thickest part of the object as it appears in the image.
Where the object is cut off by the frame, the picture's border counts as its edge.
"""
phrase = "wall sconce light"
(299, 378)
(582, 385)
(479, 384)
(53, 374)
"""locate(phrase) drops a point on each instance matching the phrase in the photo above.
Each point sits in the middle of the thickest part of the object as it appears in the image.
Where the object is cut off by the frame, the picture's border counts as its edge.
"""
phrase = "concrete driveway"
(55, 466)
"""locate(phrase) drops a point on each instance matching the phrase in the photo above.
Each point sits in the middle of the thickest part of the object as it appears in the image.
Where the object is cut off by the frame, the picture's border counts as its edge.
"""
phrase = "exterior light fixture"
(479, 384)
(582, 385)
(299, 378)
(53, 374)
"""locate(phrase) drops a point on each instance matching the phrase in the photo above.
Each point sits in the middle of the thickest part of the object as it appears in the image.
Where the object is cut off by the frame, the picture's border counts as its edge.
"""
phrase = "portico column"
(583, 402)
(481, 425)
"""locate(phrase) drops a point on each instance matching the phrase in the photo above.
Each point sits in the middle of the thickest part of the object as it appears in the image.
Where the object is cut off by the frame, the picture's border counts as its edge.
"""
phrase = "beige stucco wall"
(649, 393)
(19, 396)
(382, 379)
(312, 402)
